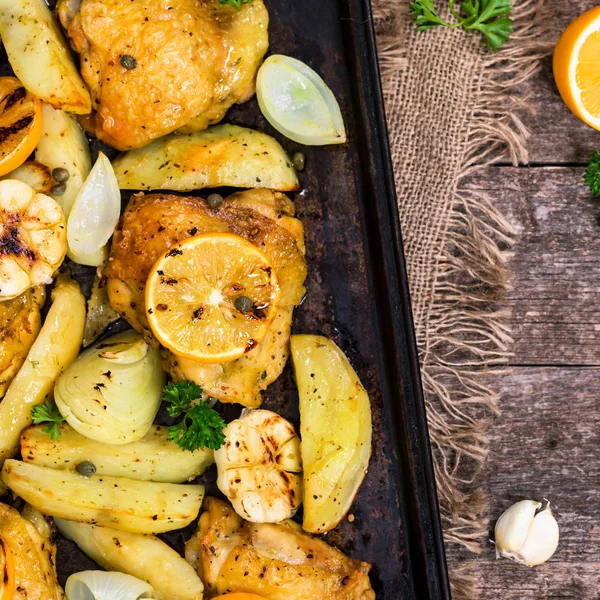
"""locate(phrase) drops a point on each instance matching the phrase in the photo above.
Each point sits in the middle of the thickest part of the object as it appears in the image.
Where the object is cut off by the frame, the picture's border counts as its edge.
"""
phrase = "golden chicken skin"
(27, 556)
(153, 67)
(20, 323)
(153, 223)
(276, 561)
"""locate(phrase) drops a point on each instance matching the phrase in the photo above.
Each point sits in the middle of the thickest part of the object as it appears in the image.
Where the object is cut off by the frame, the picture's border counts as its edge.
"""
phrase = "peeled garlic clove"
(526, 537)
(542, 541)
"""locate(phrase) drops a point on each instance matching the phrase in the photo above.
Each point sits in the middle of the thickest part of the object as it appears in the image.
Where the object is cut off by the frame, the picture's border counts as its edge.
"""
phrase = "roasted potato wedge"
(138, 555)
(34, 174)
(40, 57)
(223, 155)
(119, 502)
(335, 427)
(54, 349)
(153, 458)
(64, 145)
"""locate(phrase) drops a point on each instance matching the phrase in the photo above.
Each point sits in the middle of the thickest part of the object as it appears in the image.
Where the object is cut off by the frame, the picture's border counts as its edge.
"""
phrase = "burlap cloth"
(453, 106)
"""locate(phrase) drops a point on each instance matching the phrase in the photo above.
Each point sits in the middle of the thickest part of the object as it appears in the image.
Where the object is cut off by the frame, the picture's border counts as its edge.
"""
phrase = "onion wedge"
(298, 103)
(94, 215)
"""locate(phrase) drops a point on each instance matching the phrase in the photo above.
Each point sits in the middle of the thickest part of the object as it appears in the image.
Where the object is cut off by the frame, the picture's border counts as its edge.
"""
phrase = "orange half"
(576, 65)
(212, 298)
(20, 124)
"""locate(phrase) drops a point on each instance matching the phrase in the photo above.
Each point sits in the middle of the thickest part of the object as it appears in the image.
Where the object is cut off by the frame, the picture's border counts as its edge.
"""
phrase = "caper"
(243, 303)
(298, 160)
(214, 200)
(60, 174)
(86, 468)
(128, 62)
(59, 189)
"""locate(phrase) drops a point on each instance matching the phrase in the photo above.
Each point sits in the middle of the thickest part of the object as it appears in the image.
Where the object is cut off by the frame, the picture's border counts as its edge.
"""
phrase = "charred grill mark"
(250, 345)
(169, 281)
(14, 97)
(6, 132)
(10, 244)
(5, 551)
(174, 252)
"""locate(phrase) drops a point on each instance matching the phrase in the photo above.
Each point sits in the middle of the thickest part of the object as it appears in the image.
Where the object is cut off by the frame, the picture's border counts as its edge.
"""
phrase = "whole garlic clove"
(526, 537)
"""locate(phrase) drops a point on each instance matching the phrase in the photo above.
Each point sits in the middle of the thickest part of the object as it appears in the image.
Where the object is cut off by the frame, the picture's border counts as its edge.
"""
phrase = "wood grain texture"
(555, 283)
(557, 135)
(546, 442)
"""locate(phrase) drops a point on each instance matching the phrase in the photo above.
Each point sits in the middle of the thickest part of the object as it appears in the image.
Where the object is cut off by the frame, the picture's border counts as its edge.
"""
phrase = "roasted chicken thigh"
(155, 66)
(277, 561)
(154, 223)
(20, 322)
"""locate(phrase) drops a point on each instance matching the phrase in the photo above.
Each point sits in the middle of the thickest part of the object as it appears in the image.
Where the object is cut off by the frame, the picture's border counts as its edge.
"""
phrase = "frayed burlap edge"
(468, 334)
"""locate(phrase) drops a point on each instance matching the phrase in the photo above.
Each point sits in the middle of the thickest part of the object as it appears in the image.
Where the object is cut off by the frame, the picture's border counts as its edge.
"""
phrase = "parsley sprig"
(592, 173)
(49, 414)
(236, 3)
(200, 426)
(490, 17)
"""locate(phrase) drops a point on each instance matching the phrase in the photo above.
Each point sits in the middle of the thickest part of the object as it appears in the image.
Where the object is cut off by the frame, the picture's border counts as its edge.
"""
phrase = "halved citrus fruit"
(7, 571)
(20, 124)
(576, 66)
(212, 298)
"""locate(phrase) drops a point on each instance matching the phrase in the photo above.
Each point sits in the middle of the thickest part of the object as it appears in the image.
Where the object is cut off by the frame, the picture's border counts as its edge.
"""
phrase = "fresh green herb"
(592, 173)
(201, 426)
(489, 17)
(49, 414)
(236, 3)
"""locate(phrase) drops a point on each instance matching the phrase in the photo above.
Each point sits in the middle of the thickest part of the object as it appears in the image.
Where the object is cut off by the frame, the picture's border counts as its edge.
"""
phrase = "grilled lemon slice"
(259, 467)
(33, 239)
(212, 298)
(20, 123)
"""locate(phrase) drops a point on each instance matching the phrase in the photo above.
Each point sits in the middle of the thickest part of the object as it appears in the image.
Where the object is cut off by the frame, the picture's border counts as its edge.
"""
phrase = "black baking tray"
(358, 295)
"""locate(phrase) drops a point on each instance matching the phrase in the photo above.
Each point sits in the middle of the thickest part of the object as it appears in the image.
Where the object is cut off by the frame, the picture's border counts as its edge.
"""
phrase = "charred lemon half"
(212, 298)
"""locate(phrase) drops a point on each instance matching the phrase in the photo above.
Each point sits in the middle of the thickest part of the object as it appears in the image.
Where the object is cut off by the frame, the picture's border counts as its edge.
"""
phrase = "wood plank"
(557, 135)
(555, 282)
(546, 444)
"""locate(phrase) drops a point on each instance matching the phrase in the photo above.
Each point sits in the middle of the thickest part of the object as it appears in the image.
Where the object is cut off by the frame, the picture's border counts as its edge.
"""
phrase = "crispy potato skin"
(194, 60)
(153, 458)
(54, 349)
(279, 562)
(34, 553)
(40, 56)
(64, 145)
(138, 555)
(20, 323)
(335, 427)
(223, 155)
(153, 223)
(119, 502)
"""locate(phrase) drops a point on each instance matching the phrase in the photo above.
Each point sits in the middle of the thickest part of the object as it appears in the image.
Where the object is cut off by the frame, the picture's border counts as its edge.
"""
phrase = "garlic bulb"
(525, 535)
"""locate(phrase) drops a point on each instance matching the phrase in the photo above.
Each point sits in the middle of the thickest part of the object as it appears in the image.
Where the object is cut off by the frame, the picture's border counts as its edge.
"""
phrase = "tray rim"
(428, 565)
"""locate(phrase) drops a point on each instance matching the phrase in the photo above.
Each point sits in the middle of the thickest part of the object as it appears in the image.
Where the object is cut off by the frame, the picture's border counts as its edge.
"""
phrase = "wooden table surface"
(546, 443)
